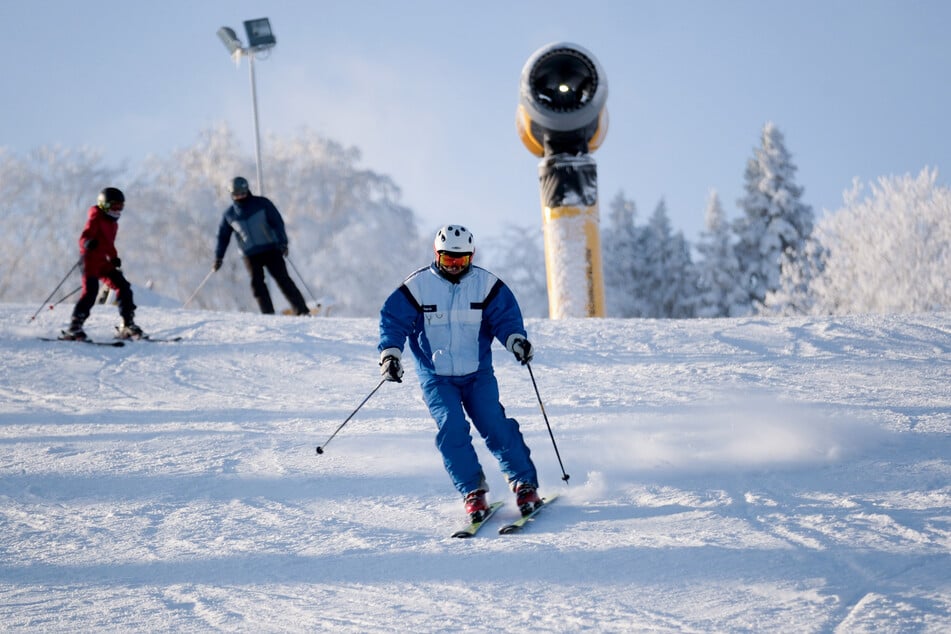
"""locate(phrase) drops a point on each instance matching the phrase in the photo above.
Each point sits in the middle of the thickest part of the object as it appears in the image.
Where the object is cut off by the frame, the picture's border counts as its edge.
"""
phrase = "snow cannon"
(562, 119)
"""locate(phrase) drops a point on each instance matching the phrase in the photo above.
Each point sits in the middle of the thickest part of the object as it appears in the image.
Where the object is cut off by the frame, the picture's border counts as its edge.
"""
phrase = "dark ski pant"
(449, 399)
(114, 279)
(273, 261)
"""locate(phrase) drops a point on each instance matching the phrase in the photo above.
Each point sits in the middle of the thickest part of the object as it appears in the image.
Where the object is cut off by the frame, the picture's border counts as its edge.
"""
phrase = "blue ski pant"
(449, 399)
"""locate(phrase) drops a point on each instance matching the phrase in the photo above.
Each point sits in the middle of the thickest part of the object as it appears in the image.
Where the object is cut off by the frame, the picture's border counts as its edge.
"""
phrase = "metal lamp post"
(260, 38)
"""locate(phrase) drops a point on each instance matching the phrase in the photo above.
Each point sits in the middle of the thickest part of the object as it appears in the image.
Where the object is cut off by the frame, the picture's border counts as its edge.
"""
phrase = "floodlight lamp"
(259, 32)
(230, 39)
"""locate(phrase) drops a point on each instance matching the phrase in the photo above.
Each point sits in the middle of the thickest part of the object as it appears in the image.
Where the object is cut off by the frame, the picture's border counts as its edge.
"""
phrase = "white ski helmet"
(455, 239)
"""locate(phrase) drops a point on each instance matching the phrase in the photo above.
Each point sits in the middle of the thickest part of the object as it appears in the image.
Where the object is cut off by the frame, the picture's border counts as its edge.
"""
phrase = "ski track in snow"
(726, 475)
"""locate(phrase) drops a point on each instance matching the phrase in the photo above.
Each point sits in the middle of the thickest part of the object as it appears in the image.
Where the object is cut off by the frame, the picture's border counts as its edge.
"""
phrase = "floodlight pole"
(260, 38)
(254, 112)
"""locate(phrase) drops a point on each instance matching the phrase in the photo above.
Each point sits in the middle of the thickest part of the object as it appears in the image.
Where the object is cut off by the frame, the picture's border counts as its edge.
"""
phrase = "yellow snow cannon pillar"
(562, 118)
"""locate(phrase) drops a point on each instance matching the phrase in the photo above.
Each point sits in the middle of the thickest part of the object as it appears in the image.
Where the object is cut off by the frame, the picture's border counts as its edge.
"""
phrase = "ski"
(114, 344)
(145, 337)
(473, 527)
(520, 523)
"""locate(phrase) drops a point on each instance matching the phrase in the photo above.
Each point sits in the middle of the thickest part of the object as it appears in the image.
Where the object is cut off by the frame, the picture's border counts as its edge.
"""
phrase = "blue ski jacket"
(450, 326)
(256, 222)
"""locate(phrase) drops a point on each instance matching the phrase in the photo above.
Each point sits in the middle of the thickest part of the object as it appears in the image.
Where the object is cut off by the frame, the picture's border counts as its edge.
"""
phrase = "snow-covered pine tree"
(798, 269)
(648, 270)
(668, 275)
(619, 250)
(720, 294)
(774, 222)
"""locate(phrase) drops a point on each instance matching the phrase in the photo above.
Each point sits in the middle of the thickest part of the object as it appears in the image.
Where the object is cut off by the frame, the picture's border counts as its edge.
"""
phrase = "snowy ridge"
(726, 475)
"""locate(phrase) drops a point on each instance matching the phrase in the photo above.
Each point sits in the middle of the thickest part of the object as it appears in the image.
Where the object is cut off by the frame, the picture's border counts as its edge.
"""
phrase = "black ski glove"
(216, 265)
(90, 244)
(521, 348)
(390, 367)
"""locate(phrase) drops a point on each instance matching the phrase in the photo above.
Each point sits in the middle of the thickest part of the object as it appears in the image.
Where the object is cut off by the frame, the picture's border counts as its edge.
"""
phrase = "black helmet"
(110, 196)
(239, 186)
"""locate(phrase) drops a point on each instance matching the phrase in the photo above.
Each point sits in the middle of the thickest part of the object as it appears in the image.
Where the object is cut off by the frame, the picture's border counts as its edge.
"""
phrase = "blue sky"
(427, 90)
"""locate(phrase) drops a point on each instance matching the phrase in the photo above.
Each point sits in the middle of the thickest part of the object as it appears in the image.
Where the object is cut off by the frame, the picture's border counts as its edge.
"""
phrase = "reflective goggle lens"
(449, 261)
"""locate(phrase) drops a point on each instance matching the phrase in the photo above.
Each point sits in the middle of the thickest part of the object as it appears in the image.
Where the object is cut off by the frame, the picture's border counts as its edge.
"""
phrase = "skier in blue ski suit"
(450, 312)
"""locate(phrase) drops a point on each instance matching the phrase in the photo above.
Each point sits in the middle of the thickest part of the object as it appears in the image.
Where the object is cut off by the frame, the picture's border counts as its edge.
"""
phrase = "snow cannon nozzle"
(562, 94)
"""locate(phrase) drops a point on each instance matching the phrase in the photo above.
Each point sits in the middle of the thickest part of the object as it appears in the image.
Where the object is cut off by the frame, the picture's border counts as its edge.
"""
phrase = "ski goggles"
(448, 260)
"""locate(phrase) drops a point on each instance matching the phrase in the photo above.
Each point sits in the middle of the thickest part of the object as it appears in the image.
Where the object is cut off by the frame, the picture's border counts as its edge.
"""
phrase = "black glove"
(117, 263)
(391, 369)
(521, 348)
(284, 251)
(216, 265)
(90, 244)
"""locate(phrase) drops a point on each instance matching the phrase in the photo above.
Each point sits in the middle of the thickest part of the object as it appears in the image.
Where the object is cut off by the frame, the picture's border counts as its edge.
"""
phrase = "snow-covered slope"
(726, 475)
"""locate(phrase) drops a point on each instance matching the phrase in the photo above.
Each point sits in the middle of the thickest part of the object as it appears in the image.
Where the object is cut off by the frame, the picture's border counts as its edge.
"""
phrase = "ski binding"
(520, 523)
(473, 527)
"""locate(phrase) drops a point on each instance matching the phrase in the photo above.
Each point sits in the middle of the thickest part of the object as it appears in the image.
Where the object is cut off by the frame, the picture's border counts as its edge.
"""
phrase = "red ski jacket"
(101, 228)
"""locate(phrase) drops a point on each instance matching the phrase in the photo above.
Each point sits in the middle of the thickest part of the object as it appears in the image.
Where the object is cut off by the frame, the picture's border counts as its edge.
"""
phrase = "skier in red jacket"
(97, 245)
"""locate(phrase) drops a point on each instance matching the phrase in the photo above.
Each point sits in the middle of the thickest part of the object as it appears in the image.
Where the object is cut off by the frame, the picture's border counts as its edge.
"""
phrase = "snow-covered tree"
(774, 222)
(45, 196)
(517, 256)
(888, 248)
(720, 292)
(351, 241)
(648, 270)
(671, 274)
(620, 255)
(355, 241)
(798, 269)
(175, 206)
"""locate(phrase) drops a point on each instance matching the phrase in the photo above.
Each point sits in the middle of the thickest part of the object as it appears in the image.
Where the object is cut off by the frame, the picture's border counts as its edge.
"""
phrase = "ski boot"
(74, 333)
(476, 506)
(129, 330)
(526, 498)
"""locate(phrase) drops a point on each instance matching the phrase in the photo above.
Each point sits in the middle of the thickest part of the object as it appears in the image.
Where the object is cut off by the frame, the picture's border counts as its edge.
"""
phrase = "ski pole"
(66, 296)
(63, 281)
(188, 301)
(320, 449)
(564, 476)
(309, 292)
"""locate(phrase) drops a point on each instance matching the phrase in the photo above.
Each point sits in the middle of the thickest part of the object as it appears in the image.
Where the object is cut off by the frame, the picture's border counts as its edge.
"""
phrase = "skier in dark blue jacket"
(262, 238)
(451, 311)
